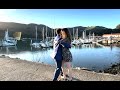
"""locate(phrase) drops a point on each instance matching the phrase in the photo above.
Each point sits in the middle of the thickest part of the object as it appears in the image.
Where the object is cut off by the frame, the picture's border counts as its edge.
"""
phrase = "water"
(89, 56)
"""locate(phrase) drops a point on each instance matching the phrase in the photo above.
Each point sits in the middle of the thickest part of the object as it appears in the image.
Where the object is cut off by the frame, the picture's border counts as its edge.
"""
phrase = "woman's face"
(63, 34)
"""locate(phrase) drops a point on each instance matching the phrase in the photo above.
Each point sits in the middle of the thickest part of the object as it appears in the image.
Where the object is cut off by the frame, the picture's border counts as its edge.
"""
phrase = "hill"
(28, 30)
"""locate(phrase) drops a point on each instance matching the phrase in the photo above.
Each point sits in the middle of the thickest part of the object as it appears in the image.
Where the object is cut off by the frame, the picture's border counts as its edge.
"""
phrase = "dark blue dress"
(66, 54)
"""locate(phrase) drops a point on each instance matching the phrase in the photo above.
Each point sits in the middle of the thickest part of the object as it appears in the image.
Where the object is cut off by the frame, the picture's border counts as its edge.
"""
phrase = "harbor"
(38, 50)
(99, 57)
(47, 41)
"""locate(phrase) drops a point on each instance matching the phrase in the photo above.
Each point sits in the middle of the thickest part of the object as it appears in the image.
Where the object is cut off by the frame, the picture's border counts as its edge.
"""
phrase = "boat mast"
(83, 35)
(43, 33)
(46, 32)
(77, 33)
(89, 35)
(6, 35)
(36, 32)
(73, 33)
(54, 32)
(54, 26)
(93, 35)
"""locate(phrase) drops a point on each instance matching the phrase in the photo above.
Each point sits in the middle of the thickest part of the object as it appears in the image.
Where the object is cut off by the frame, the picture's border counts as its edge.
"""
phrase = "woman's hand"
(60, 41)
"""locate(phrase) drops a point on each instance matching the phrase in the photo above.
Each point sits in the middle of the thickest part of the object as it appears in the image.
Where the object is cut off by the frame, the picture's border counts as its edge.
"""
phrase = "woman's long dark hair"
(67, 33)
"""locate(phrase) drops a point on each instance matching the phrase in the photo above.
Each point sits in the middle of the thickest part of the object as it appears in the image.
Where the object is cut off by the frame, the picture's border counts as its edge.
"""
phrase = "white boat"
(44, 43)
(51, 43)
(35, 44)
(85, 40)
(76, 41)
(8, 41)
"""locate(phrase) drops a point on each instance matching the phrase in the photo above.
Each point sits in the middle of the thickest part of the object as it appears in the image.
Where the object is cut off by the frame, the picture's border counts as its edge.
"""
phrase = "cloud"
(6, 11)
(5, 14)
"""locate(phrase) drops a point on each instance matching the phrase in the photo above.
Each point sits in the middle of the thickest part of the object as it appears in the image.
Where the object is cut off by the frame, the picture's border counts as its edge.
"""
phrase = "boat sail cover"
(17, 35)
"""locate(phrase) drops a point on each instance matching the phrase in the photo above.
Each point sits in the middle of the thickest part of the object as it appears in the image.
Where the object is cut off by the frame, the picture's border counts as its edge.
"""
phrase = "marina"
(98, 57)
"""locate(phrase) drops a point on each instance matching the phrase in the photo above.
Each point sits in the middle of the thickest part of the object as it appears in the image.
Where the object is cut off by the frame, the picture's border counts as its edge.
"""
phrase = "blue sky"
(58, 18)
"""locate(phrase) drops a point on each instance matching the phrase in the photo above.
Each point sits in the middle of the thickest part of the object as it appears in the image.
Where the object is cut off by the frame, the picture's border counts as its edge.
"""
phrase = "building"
(114, 35)
(111, 38)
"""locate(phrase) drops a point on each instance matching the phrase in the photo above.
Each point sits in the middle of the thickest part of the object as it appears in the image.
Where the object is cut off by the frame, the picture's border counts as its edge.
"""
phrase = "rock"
(114, 69)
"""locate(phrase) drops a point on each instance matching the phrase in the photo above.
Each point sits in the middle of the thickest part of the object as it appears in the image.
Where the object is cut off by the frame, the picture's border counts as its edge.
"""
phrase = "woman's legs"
(58, 70)
(69, 69)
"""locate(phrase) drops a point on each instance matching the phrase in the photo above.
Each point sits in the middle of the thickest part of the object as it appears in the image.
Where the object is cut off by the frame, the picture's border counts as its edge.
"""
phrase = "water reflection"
(91, 56)
(8, 50)
(111, 47)
(87, 46)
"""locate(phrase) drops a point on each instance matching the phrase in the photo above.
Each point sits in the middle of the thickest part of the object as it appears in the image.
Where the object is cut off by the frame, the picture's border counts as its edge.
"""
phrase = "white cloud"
(6, 11)
(5, 14)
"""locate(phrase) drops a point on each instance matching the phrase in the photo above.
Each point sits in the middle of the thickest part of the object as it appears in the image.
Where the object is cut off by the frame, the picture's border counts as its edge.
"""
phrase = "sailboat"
(46, 41)
(51, 40)
(93, 38)
(76, 41)
(43, 42)
(8, 41)
(90, 39)
(84, 40)
(35, 44)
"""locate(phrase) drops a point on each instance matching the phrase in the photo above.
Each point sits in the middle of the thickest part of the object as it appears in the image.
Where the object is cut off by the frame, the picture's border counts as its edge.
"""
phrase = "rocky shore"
(22, 70)
(114, 69)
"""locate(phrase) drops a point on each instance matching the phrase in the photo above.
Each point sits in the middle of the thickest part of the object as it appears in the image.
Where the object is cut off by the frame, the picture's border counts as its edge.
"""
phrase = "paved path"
(21, 70)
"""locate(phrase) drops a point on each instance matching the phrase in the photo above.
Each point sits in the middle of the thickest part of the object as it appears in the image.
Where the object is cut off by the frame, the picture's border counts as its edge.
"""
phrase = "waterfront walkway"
(21, 70)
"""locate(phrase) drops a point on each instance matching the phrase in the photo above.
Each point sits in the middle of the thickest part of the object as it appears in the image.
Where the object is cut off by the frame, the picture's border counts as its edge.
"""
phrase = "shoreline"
(12, 69)
(78, 68)
(114, 69)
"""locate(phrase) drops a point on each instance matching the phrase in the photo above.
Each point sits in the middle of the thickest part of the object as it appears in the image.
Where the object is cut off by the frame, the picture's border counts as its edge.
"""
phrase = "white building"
(115, 35)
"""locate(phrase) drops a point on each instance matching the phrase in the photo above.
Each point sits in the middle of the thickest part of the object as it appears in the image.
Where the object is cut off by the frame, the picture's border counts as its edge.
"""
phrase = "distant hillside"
(28, 30)
(98, 30)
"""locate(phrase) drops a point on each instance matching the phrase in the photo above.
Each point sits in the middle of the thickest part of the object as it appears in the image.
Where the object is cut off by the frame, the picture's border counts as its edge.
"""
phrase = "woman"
(67, 56)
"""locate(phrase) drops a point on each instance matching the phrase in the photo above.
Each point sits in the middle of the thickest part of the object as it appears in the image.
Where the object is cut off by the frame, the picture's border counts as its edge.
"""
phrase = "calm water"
(90, 56)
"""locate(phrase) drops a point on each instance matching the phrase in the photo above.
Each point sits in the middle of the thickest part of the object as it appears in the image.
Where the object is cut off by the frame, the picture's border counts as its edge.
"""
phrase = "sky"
(59, 18)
